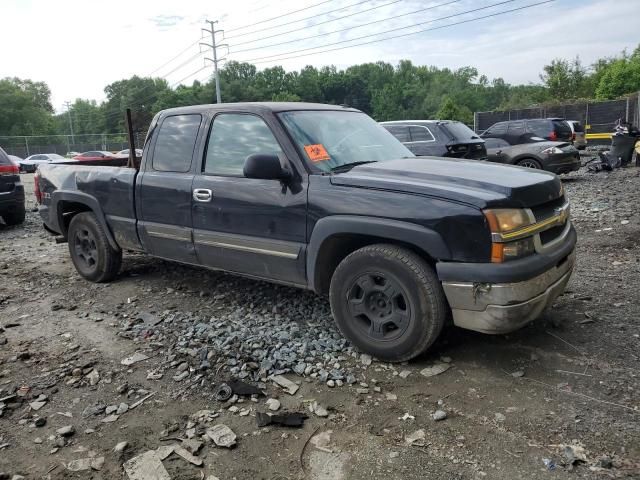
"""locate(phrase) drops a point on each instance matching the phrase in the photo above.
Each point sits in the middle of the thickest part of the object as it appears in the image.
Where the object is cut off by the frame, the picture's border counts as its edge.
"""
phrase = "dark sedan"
(556, 157)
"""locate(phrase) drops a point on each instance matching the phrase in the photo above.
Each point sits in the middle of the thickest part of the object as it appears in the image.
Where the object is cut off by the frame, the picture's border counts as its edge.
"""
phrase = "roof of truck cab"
(256, 107)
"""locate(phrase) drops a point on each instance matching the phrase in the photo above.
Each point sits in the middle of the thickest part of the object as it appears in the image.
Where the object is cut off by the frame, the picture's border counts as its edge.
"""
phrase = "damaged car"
(321, 197)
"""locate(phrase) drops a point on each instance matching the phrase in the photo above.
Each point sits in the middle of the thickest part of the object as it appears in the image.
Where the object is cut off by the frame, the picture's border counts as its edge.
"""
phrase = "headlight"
(503, 252)
(552, 150)
(503, 220)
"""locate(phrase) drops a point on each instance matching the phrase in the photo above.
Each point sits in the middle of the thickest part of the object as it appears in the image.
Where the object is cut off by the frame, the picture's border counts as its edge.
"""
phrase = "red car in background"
(95, 155)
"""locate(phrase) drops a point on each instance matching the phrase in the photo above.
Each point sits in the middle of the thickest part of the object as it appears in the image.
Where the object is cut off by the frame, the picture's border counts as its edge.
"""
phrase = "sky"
(79, 47)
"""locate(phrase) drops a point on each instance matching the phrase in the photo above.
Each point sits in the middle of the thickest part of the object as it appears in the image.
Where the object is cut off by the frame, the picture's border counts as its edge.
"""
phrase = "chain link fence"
(598, 118)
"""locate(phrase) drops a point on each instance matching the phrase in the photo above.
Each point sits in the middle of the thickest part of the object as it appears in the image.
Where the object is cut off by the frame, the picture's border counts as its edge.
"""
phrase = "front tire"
(91, 253)
(388, 302)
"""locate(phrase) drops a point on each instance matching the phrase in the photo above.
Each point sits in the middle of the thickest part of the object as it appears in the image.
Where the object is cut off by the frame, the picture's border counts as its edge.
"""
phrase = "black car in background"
(516, 132)
(556, 157)
(12, 208)
(438, 138)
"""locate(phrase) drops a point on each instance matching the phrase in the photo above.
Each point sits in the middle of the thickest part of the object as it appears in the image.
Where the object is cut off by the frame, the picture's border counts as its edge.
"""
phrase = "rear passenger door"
(164, 188)
(246, 225)
(515, 132)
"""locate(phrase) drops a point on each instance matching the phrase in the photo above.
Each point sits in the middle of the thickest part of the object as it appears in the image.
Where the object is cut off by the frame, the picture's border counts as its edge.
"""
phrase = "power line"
(303, 19)
(344, 29)
(379, 33)
(186, 62)
(174, 58)
(279, 16)
(407, 34)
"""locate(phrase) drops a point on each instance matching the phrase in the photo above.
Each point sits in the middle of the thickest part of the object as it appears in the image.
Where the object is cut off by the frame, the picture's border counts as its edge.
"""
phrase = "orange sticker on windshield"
(317, 152)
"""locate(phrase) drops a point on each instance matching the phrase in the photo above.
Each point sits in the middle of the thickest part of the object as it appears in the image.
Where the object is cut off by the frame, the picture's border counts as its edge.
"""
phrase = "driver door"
(245, 225)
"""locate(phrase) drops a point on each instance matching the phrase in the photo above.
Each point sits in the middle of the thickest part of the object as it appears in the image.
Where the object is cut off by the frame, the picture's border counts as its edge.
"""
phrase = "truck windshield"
(331, 139)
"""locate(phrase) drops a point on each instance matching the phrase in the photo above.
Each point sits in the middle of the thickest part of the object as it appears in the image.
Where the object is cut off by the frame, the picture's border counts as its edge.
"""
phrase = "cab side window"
(233, 137)
(175, 144)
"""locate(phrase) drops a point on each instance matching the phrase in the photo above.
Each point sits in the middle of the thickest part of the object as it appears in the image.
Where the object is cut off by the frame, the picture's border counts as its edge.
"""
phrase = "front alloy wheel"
(388, 302)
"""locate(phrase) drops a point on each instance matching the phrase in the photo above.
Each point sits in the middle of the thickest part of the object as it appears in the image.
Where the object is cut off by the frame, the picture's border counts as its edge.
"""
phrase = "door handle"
(202, 195)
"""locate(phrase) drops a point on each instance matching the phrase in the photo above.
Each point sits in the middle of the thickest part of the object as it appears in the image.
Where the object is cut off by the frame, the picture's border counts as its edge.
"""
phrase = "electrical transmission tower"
(214, 47)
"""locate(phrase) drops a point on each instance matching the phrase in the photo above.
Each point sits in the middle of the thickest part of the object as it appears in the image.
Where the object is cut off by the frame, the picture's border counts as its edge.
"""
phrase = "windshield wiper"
(348, 166)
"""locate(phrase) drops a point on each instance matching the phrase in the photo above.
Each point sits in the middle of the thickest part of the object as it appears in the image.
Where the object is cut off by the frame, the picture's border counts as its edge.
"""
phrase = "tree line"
(384, 91)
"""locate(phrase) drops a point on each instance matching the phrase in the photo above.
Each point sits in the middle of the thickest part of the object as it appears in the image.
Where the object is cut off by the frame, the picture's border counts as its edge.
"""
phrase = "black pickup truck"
(322, 197)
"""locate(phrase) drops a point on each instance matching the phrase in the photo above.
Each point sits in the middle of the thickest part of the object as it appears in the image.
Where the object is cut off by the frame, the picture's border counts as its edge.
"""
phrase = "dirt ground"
(518, 406)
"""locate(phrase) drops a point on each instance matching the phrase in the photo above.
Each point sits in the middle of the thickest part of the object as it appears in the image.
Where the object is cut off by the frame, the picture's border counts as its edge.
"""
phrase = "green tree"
(26, 108)
(449, 110)
(619, 77)
(139, 94)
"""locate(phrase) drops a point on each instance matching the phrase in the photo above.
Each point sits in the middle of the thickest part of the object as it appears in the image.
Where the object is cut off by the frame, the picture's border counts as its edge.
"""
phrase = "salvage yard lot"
(517, 406)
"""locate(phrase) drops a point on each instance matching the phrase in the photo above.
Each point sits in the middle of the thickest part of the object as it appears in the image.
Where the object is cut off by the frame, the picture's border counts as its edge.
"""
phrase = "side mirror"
(265, 166)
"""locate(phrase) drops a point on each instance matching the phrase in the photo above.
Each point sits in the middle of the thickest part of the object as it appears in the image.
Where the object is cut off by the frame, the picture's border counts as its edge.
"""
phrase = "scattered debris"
(322, 440)
(37, 405)
(222, 436)
(319, 410)
(406, 416)
(135, 358)
(416, 437)
(120, 446)
(273, 404)
(285, 419)
(83, 464)
(549, 463)
(178, 450)
(365, 359)
(439, 415)
(435, 369)
(223, 392)
(146, 466)
(574, 454)
(288, 386)
(66, 431)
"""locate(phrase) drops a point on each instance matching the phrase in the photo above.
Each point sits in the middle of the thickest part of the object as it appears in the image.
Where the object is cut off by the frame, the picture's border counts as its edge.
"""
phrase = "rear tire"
(15, 217)
(91, 253)
(388, 302)
(529, 163)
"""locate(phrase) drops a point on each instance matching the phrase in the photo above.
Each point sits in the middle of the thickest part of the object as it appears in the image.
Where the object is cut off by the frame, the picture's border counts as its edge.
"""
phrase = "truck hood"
(474, 182)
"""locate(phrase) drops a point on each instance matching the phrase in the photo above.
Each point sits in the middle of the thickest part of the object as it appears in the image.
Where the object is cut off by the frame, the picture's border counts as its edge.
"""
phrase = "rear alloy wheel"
(388, 302)
(529, 163)
(92, 254)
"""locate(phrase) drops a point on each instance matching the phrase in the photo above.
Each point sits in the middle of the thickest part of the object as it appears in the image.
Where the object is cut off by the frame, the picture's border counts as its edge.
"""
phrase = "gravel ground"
(557, 399)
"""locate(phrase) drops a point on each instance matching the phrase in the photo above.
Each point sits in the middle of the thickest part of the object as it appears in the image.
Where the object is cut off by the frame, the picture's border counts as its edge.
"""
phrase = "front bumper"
(504, 307)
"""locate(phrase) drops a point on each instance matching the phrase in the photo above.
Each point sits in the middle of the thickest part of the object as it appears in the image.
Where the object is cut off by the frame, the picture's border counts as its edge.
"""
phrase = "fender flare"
(418, 236)
(86, 200)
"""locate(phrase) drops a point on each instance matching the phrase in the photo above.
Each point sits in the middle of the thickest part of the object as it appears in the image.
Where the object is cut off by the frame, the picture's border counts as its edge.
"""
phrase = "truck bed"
(109, 189)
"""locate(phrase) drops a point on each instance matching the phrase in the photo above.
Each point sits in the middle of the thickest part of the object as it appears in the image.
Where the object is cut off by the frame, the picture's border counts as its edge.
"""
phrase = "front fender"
(424, 239)
(56, 212)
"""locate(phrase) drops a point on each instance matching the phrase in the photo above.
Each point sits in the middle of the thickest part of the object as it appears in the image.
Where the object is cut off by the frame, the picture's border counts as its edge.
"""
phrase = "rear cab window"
(175, 143)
